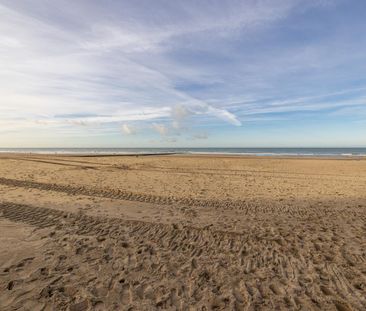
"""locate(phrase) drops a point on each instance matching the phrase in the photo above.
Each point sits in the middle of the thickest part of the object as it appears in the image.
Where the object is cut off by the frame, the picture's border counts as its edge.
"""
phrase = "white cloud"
(160, 128)
(180, 112)
(224, 115)
(128, 129)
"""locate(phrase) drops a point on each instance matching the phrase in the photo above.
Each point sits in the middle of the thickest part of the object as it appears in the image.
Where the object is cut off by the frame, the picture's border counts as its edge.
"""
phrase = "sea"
(274, 152)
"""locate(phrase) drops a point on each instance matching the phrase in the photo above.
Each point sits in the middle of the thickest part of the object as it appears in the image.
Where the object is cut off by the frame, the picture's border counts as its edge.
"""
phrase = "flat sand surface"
(182, 233)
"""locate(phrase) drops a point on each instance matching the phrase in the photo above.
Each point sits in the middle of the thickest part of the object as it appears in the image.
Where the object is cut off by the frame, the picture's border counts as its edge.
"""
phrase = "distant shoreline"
(188, 155)
(221, 152)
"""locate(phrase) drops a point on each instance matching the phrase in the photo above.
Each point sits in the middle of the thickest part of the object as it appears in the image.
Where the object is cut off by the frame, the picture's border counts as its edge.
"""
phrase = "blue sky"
(182, 73)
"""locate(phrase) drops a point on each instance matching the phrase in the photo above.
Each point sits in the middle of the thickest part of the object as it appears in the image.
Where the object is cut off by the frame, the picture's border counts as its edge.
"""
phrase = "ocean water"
(293, 152)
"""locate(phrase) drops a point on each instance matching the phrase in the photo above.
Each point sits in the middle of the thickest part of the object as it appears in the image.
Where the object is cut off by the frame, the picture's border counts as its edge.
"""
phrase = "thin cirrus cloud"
(174, 67)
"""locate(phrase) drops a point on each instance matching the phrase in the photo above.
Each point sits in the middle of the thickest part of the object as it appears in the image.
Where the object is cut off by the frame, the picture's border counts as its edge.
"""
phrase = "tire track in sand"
(246, 207)
(124, 195)
(158, 266)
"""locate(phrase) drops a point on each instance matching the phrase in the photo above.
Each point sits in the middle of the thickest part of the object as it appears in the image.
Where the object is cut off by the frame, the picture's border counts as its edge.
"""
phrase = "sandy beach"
(176, 232)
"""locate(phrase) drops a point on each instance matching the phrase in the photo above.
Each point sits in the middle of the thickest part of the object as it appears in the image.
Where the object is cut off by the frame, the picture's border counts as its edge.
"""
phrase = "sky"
(240, 73)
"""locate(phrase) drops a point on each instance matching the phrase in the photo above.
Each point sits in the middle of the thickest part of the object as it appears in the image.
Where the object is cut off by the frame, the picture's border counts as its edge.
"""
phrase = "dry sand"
(182, 233)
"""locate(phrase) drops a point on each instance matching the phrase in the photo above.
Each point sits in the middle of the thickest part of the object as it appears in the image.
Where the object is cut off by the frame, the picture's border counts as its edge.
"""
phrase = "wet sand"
(182, 233)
